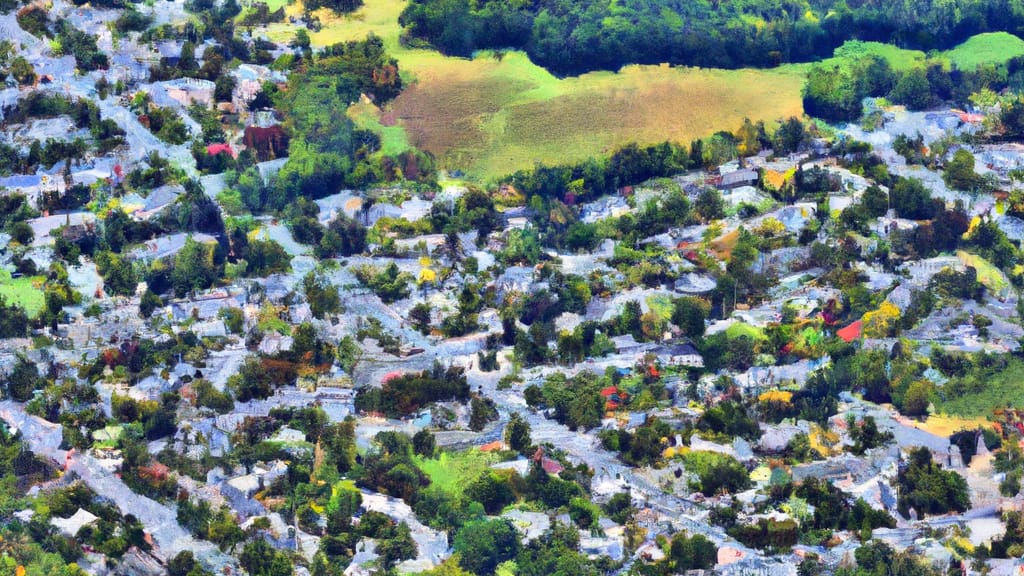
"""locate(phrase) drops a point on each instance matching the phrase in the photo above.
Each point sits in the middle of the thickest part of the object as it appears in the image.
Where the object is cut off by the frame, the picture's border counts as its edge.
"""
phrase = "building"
(738, 178)
(684, 354)
(188, 91)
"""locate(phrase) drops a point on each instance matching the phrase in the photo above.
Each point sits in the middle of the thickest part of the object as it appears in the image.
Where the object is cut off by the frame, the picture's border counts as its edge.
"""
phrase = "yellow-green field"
(491, 116)
(24, 292)
(991, 48)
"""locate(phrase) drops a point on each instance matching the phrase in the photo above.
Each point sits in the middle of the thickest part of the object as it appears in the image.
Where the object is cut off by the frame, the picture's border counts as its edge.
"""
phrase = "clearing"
(24, 291)
(499, 113)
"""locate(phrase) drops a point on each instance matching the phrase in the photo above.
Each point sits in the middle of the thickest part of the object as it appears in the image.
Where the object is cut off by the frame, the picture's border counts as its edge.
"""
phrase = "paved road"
(159, 520)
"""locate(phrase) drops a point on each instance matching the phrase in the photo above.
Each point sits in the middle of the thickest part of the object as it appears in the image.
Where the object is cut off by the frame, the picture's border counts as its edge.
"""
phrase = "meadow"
(24, 292)
(498, 113)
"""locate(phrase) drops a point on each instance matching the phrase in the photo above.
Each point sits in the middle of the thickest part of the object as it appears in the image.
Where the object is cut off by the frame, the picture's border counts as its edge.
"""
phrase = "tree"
(22, 71)
(323, 297)
(692, 552)
(14, 322)
(397, 548)
(24, 380)
(195, 267)
(483, 544)
(959, 173)
(915, 400)
(928, 489)
(517, 433)
(913, 90)
(424, 443)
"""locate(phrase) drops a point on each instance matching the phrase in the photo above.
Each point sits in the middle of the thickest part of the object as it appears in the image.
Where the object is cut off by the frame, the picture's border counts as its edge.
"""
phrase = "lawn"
(1004, 389)
(741, 329)
(991, 48)
(898, 58)
(453, 471)
(660, 304)
(25, 292)
(990, 277)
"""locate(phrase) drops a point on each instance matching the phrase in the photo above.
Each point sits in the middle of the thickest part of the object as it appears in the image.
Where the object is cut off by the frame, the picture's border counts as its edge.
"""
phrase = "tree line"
(576, 36)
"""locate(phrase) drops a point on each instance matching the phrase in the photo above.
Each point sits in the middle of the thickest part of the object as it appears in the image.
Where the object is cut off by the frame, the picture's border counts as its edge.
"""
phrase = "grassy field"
(493, 115)
(453, 471)
(1004, 389)
(496, 114)
(991, 48)
(24, 292)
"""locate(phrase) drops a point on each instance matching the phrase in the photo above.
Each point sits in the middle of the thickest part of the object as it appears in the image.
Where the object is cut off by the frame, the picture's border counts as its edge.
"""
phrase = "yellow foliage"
(427, 275)
(425, 261)
(769, 228)
(880, 323)
(776, 396)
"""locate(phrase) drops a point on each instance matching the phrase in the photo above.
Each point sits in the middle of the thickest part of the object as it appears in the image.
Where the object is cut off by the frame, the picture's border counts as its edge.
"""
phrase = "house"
(684, 354)
(215, 149)
(188, 91)
(738, 178)
(628, 345)
(70, 526)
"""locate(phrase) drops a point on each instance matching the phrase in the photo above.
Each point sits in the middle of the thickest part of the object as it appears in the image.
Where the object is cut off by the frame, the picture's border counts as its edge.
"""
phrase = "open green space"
(499, 112)
(990, 48)
(24, 292)
(453, 471)
(1003, 389)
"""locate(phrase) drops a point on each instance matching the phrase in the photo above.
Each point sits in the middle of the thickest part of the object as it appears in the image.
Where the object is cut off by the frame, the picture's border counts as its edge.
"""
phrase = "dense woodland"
(571, 37)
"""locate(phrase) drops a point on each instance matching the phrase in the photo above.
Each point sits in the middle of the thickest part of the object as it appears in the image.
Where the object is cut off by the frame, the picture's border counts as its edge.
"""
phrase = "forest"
(571, 37)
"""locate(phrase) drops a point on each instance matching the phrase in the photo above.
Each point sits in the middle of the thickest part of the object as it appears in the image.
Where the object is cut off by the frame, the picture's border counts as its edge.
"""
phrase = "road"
(159, 520)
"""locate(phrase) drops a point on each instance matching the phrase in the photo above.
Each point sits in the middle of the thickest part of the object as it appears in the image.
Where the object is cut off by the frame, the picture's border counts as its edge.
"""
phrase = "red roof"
(214, 149)
(851, 332)
(550, 466)
(609, 391)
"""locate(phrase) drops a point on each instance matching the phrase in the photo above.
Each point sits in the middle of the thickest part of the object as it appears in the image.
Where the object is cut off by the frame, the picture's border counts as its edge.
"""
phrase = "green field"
(24, 292)
(453, 471)
(991, 48)
(499, 113)
(1001, 390)
(898, 58)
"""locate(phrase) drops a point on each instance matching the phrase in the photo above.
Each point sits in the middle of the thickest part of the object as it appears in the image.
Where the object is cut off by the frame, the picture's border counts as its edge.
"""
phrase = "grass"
(946, 425)
(741, 329)
(988, 274)
(495, 114)
(1004, 389)
(898, 58)
(453, 471)
(660, 304)
(990, 48)
(491, 116)
(25, 292)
